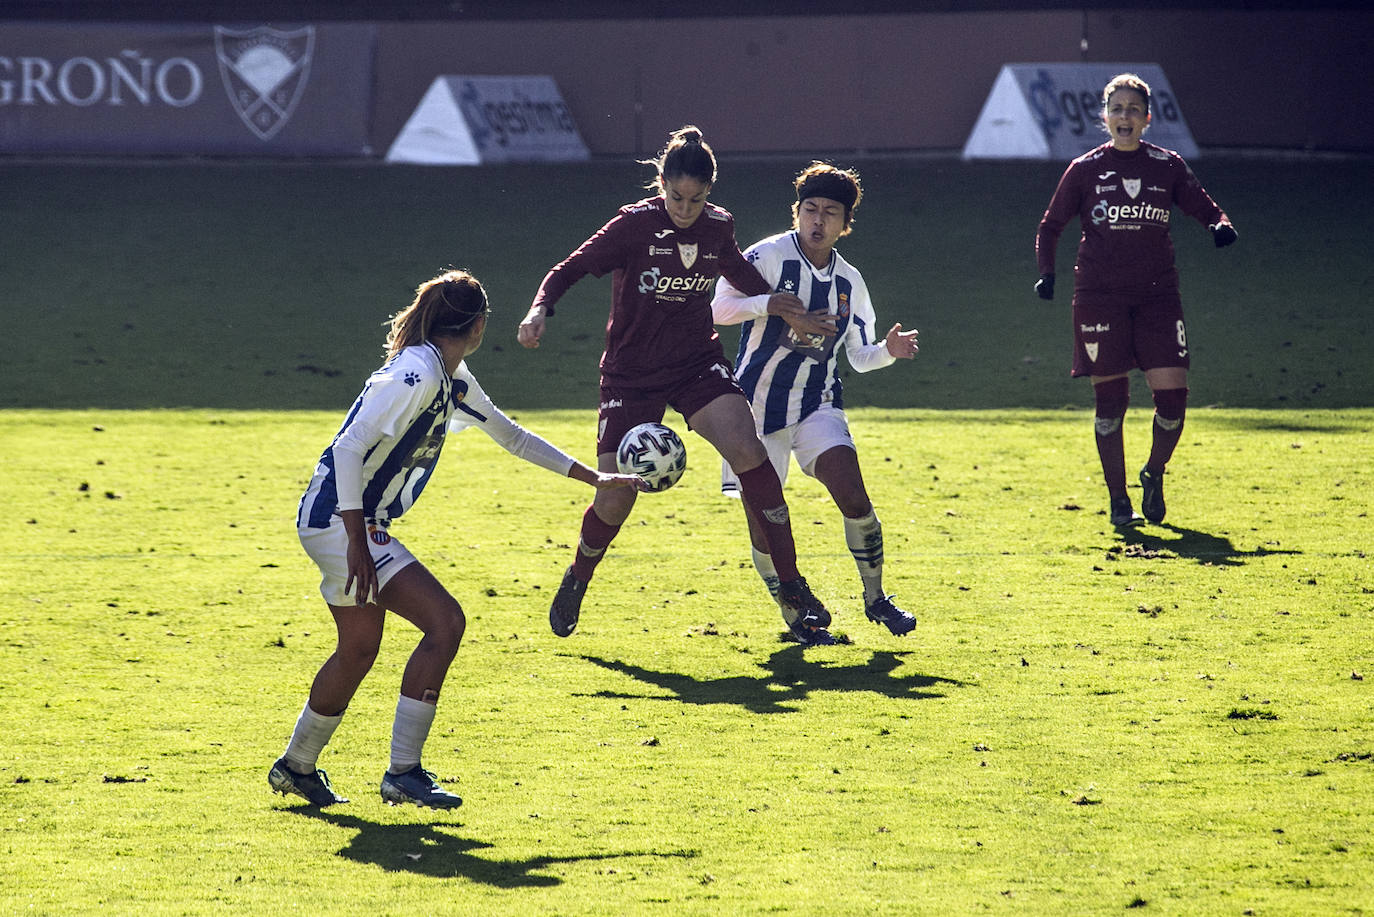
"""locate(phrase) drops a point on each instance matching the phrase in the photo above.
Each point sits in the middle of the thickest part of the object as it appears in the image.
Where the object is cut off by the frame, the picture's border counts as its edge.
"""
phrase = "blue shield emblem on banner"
(264, 71)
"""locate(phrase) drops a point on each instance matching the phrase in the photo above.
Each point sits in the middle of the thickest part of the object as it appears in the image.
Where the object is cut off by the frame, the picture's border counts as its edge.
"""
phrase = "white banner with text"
(1054, 111)
(469, 120)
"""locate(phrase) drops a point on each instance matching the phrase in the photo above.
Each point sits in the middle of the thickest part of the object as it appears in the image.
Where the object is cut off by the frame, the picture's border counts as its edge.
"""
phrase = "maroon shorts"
(623, 407)
(1115, 336)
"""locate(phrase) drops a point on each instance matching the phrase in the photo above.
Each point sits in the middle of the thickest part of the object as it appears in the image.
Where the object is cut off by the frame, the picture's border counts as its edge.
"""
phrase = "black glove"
(1223, 234)
(1044, 287)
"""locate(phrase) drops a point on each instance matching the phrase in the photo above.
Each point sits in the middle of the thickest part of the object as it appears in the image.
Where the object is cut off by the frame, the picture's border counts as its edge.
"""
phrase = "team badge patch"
(264, 72)
(378, 535)
(777, 515)
(1132, 187)
(1091, 350)
(688, 253)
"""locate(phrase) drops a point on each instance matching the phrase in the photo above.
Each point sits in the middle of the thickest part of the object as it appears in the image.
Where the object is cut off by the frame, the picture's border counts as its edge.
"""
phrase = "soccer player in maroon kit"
(1127, 311)
(662, 350)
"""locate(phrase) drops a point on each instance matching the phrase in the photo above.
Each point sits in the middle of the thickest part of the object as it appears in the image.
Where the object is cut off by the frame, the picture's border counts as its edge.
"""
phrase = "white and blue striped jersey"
(784, 377)
(385, 452)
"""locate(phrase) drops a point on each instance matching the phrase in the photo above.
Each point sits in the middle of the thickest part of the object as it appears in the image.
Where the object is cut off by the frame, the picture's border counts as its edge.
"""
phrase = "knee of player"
(358, 654)
(447, 628)
(846, 486)
(742, 449)
(457, 624)
(612, 505)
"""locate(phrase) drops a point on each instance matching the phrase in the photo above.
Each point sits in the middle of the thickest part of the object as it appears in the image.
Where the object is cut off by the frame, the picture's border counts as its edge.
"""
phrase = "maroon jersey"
(1123, 201)
(660, 326)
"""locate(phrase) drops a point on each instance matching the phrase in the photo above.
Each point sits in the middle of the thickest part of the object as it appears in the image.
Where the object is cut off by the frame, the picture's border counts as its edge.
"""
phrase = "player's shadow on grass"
(789, 679)
(1203, 547)
(430, 850)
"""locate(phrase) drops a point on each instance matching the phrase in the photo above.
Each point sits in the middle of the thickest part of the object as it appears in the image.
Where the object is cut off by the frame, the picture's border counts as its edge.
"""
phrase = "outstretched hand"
(902, 344)
(605, 480)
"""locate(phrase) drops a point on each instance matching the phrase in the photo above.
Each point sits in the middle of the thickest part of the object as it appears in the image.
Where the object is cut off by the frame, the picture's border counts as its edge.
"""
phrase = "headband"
(833, 185)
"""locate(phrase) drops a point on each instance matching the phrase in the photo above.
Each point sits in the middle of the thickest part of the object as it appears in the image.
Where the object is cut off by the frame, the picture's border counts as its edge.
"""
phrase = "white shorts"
(810, 438)
(328, 548)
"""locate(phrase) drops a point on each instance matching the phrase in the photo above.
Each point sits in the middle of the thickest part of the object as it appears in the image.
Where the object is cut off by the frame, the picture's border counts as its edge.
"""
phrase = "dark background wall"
(895, 80)
(883, 76)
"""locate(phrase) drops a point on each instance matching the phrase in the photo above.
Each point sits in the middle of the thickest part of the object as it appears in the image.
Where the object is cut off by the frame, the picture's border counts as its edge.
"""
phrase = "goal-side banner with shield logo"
(234, 89)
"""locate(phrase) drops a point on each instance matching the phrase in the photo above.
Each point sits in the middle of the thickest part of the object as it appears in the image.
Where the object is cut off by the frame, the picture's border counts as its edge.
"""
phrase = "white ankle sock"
(763, 563)
(413, 719)
(864, 536)
(311, 735)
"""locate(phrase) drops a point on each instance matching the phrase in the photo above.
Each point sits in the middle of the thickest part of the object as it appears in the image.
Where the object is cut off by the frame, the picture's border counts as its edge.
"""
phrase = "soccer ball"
(655, 453)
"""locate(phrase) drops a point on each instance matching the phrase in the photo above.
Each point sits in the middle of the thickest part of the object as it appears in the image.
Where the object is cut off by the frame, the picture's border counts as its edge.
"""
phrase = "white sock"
(864, 536)
(311, 735)
(763, 563)
(408, 734)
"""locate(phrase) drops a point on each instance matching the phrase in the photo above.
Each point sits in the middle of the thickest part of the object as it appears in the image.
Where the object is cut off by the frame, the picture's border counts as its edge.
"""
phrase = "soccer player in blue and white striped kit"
(788, 367)
(372, 472)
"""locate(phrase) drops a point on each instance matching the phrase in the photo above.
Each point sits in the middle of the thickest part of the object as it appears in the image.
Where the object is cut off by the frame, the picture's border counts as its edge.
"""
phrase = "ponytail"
(448, 304)
(686, 154)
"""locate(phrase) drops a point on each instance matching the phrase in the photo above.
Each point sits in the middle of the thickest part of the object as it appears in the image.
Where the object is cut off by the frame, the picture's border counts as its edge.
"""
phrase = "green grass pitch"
(1171, 720)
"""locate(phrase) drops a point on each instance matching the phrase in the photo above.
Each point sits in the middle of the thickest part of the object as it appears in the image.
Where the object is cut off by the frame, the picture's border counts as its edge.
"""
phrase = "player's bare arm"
(902, 344)
(602, 479)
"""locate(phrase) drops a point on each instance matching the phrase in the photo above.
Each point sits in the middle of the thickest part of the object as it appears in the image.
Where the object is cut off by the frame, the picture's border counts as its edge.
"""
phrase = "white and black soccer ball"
(655, 453)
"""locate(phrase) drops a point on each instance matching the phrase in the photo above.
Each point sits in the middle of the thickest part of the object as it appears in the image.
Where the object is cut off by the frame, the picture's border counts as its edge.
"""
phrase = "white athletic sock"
(413, 719)
(311, 735)
(763, 563)
(864, 536)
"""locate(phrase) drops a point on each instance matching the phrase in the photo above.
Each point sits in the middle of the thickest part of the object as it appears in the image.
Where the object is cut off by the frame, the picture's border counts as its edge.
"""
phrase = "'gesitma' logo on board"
(264, 71)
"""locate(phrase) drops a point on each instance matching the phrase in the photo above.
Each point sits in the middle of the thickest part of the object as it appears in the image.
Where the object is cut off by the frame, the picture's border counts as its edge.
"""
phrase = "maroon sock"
(595, 538)
(762, 492)
(1112, 398)
(1171, 404)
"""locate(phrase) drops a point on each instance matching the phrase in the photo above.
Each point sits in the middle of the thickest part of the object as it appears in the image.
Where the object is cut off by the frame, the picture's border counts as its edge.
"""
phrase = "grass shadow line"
(1203, 547)
(790, 677)
(428, 850)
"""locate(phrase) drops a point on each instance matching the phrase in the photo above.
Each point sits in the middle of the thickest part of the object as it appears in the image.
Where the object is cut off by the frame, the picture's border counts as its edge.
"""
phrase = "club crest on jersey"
(1091, 350)
(1132, 186)
(460, 391)
(688, 253)
(378, 535)
(842, 305)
